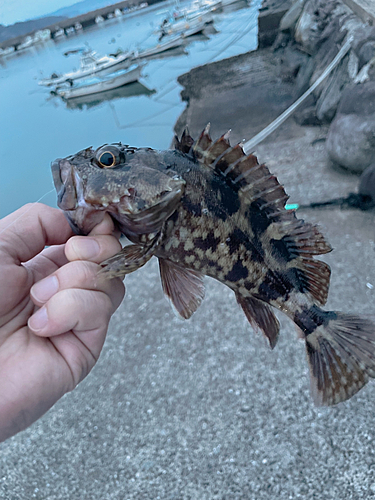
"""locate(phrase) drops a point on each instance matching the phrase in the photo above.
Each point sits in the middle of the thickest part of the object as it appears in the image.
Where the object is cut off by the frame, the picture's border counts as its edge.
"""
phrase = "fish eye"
(108, 157)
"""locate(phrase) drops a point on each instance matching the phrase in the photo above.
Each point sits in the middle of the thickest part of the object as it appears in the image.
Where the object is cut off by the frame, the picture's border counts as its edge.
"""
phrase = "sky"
(12, 11)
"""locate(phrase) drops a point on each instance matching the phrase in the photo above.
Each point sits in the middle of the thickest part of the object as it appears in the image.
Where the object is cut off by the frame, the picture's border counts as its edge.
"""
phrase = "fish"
(206, 208)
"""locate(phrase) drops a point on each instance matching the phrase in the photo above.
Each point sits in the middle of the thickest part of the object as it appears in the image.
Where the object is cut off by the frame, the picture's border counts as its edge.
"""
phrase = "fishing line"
(249, 145)
(28, 210)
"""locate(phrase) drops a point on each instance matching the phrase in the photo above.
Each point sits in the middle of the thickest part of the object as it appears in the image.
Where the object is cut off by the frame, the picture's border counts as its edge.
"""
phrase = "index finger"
(25, 232)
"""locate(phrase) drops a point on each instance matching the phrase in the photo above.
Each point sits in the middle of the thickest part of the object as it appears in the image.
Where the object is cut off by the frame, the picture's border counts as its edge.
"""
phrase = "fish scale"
(207, 208)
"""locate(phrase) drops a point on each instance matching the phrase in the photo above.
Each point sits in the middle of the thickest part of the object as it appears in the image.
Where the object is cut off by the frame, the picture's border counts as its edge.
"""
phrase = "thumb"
(25, 233)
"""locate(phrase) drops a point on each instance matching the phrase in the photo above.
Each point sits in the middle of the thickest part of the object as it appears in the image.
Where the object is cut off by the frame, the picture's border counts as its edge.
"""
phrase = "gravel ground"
(203, 409)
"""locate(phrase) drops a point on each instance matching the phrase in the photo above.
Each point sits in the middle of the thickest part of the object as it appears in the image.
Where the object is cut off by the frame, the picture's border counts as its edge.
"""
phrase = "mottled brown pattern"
(207, 208)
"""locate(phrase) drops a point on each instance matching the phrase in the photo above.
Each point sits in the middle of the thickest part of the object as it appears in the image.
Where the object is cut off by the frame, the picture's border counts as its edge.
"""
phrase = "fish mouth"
(74, 225)
(82, 217)
(65, 184)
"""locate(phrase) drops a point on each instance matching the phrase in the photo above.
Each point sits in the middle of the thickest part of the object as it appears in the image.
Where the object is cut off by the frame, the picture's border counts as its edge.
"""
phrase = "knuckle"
(78, 273)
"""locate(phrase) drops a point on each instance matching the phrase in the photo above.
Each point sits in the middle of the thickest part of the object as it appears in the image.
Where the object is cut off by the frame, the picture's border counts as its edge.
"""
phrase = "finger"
(77, 274)
(106, 226)
(25, 233)
(72, 310)
(47, 262)
(95, 249)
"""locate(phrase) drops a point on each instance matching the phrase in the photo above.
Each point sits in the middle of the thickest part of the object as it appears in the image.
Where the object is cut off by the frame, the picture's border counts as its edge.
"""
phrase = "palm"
(39, 365)
(53, 364)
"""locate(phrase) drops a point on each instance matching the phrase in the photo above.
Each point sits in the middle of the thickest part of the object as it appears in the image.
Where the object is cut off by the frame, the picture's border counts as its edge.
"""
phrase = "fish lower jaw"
(84, 219)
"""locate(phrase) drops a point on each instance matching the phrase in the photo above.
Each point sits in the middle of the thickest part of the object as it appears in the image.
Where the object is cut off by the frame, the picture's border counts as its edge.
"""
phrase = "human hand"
(54, 310)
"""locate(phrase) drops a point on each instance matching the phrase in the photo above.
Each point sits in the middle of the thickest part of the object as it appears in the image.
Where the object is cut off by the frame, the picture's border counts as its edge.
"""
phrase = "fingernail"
(86, 248)
(39, 320)
(44, 290)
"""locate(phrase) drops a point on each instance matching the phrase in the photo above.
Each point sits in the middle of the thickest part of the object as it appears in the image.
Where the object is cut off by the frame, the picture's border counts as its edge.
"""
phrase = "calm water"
(36, 128)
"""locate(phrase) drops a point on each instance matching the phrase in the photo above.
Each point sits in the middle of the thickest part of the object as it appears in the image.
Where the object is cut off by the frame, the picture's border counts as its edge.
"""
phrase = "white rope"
(249, 145)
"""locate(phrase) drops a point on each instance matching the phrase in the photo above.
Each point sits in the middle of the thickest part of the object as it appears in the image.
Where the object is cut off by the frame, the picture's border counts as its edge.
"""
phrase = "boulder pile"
(310, 35)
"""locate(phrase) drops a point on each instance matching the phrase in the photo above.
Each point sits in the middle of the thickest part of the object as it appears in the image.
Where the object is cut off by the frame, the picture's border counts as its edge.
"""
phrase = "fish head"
(125, 182)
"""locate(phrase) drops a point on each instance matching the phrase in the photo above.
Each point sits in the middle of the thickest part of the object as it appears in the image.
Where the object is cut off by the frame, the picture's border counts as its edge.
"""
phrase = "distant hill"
(82, 7)
(19, 29)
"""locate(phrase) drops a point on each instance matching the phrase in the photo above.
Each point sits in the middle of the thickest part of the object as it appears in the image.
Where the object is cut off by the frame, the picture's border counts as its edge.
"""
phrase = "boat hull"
(120, 62)
(101, 86)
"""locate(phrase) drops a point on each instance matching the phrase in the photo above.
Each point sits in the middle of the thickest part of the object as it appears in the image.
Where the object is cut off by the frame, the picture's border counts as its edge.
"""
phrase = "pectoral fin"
(260, 316)
(129, 259)
(184, 287)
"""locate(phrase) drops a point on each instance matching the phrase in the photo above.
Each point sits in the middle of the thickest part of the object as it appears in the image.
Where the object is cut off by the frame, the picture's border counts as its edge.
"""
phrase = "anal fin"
(260, 316)
(315, 277)
(184, 287)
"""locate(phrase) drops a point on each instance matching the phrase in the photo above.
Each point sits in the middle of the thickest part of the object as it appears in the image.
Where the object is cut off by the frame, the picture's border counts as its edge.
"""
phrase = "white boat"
(58, 33)
(90, 101)
(42, 35)
(198, 7)
(78, 26)
(99, 19)
(187, 27)
(91, 64)
(28, 41)
(70, 31)
(7, 51)
(39, 36)
(97, 85)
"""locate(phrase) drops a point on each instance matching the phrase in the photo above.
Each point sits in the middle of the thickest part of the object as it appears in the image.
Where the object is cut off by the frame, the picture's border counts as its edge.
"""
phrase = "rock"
(290, 18)
(364, 36)
(366, 73)
(269, 19)
(358, 99)
(366, 53)
(304, 75)
(351, 142)
(353, 65)
(307, 116)
(351, 136)
(315, 17)
(367, 182)
(329, 99)
(326, 53)
(291, 61)
(282, 40)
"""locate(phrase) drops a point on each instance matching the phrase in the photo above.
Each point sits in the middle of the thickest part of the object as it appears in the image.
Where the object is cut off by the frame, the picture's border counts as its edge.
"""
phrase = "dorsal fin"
(185, 143)
(252, 180)
(203, 143)
(260, 193)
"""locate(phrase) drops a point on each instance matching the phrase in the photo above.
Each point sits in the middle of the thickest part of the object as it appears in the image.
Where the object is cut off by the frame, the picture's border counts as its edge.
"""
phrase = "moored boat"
(7, 51)
(91, 64)
(186, 27)
(96, 85)
(89, 101)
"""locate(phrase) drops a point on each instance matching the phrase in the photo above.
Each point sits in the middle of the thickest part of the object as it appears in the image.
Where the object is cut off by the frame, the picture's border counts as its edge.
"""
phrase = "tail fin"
(341, 354)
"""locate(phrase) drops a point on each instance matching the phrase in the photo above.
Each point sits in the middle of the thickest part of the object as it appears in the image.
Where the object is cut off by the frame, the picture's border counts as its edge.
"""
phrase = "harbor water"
(37, 127)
